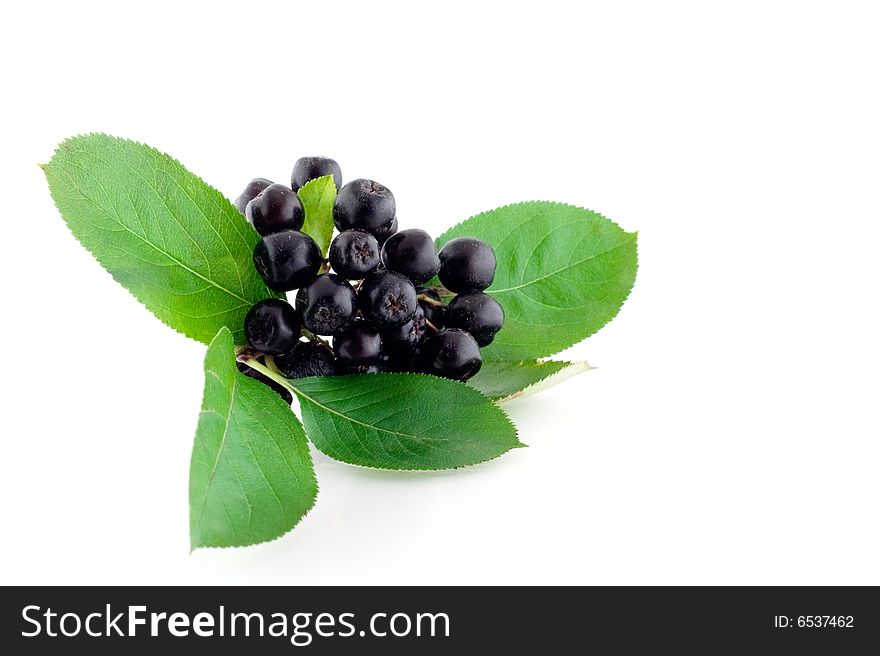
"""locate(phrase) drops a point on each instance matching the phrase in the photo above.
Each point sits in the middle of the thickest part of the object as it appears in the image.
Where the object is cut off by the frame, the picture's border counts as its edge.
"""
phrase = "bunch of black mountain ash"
(370, 297)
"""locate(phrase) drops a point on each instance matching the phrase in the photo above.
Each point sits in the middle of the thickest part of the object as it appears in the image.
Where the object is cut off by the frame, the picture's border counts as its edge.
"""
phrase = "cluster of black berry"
(369, 296)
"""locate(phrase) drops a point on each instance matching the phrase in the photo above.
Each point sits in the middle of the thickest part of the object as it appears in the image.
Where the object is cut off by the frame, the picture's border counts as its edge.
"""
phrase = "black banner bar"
(441, 620)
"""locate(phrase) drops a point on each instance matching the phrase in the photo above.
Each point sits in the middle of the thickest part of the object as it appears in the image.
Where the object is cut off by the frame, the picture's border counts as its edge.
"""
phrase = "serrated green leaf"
(401, 421)
(251, 476)
(317, 197)
(563, 273)
(172, 240)
(505, 381)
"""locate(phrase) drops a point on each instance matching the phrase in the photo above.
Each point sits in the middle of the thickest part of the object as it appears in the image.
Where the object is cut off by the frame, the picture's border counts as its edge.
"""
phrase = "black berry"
(250, 192)
(406, 336)
(467, 265)
(309, 168)
(287, 260)
(274, 209)
(412, 254)
(279, 389)
(387, 299)
(357, 345)
(272, 326)
(364, 205)
(307, 359)
(327, 305)
(451, 353)
(477, 313)
(354, 254)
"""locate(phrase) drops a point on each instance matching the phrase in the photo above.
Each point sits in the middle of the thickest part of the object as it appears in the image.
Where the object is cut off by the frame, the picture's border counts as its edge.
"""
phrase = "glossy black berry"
(307, 359)
(354, 254)
(287, 260)
(309, 168)
(364, 205)
(272, 326)
(451, 353)
(250, 192)
(387, 299)
(477, 313)
(406, 336)
(282, 391)
(467, 265)
(327, 305)
(411, 253)
(383, 236)
(359, 344)
(274, 209)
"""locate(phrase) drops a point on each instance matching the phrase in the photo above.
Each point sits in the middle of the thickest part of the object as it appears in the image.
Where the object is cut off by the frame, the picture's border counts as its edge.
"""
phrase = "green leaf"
(563, 273)
(173, 241)
(317, 197)
(400, 421)
(251, 476)
(505, 381)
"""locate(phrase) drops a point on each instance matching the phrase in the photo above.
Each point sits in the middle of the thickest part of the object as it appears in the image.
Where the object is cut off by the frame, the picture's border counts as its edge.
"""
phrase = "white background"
(730, 433)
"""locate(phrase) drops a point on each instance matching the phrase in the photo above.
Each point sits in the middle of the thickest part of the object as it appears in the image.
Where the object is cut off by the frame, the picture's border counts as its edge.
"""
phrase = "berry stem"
(246, 354)
(431, 326)
(269, 373)
(441, 291)
(270, 364)
(424, 298)
(308, 334)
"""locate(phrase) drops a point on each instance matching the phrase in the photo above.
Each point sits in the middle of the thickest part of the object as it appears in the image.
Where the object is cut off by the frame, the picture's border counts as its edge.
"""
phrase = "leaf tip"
(224, 336)
(314, 182)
